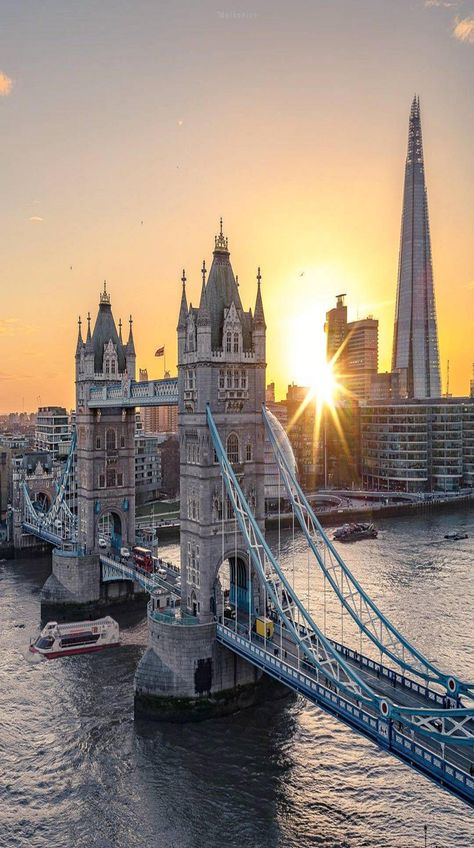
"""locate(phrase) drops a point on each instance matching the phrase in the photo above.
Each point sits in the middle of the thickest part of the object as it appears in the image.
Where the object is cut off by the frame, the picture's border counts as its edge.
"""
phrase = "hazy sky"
(289, 119)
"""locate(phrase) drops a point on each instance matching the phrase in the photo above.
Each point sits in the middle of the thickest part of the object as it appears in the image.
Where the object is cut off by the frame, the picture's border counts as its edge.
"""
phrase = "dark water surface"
(76, 770)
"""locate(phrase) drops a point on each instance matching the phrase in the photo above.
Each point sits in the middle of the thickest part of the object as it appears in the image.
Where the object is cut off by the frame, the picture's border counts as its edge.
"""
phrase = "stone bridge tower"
(105, 437)
(221, 362)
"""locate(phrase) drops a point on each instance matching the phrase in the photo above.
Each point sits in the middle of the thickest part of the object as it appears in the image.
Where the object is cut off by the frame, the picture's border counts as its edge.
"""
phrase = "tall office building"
(352, 347)
(336, 331)
(361, 356)
(415, 340)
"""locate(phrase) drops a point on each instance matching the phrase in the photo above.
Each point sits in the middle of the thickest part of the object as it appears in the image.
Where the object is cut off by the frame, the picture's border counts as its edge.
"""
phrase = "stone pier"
(186, 675)
(74, 589)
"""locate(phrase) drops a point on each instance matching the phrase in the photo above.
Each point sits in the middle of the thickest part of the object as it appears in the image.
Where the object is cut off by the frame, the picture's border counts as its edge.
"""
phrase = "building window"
(229, 379)
(243, 379)
(236, 379)
(248, 453)
(101, 481)
(110, 440)
(233, 448)
(221, 379)
(112, 366)
(97, 442)
(107, 366)
(122, 441)
(111, 478)
(236, 342)
(119, 479)
(229, 343)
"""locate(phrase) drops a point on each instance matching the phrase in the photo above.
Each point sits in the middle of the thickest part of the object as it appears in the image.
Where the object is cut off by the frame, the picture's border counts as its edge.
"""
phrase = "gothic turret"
(130, 355)
(109, 352)
(80, 343)
(259, 326)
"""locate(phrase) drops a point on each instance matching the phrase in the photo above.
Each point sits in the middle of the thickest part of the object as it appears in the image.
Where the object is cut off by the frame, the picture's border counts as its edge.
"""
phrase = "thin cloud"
(12, 326)
(36, 219)
(4, 376)
(463, 30)
(6, 85)
(444, 4)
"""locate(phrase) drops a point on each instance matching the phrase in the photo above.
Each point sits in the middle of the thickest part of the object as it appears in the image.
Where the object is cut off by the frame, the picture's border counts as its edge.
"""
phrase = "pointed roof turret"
(183, 309)
(204, 316)
(80, 343)
(222, 291)
(130, 348)
(104, 332)
(259, 316)
(120, 331)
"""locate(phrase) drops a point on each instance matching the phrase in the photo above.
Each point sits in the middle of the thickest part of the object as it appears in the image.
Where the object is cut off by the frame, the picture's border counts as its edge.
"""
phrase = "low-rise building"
(53, 431)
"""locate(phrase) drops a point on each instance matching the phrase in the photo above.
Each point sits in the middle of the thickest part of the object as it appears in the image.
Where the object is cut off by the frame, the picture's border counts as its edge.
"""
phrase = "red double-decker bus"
(143, 559)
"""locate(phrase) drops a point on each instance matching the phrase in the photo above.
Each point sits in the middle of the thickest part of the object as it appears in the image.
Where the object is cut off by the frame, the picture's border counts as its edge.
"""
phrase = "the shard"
(415, 340)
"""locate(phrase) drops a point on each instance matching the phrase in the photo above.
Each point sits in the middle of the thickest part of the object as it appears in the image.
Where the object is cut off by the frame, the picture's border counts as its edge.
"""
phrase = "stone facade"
(221, 363)
(105, 469)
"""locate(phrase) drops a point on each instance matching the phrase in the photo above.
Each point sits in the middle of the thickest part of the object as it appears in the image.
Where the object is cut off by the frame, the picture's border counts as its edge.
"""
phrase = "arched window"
(233, 448)
(111, 478)
(111, 440)
(229, 343)
(248, 453)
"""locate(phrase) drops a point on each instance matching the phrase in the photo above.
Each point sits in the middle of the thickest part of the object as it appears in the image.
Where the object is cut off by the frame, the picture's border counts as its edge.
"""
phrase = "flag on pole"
(160, 351)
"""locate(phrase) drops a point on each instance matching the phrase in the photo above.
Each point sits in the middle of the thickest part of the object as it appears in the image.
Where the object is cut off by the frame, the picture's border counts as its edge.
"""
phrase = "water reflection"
(76, 769)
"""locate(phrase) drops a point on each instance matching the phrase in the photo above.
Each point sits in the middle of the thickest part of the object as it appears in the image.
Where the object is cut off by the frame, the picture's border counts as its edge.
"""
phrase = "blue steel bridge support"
(389, 705)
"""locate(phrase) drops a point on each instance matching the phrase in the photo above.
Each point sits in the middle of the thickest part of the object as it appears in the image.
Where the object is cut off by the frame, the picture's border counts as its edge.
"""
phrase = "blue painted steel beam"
(375, 728)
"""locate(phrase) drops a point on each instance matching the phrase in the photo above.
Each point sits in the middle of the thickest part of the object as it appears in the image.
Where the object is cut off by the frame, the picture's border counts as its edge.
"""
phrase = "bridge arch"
(236, 590)
(41, 501)
(110, 527)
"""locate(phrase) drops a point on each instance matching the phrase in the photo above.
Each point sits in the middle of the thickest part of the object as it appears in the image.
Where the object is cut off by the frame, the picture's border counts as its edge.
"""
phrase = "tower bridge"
(238, 619)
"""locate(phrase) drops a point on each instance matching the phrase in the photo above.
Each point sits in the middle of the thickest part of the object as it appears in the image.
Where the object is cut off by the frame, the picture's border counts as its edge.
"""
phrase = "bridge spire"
(104, 295)
(130, 343)
(88, 337)
(183, 309)
(259, 316)
(204, 316)
(120, 330)
(221, 242)
(80, 342)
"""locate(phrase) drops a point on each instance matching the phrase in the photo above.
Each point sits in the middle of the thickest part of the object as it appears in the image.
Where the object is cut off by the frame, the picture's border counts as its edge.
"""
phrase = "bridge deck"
(452, 767)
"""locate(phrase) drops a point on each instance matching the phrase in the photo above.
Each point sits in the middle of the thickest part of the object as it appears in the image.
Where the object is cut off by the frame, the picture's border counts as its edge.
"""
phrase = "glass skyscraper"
(415, 340)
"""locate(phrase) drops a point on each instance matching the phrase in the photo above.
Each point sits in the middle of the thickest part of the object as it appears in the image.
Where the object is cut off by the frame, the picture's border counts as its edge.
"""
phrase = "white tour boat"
(79, 637)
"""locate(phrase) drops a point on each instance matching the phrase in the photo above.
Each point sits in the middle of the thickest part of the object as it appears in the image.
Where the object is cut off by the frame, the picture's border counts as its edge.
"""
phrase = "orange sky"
(290, 123)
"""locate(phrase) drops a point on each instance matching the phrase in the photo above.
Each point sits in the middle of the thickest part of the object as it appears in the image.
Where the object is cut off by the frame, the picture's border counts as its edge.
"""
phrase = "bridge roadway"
(278, 656)
(151, 582)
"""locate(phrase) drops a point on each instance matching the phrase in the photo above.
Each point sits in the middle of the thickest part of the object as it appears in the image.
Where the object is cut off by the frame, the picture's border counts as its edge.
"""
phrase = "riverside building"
(418, 445)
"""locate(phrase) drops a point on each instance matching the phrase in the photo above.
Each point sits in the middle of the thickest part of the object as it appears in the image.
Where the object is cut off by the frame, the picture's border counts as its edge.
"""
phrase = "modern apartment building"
(418, 445)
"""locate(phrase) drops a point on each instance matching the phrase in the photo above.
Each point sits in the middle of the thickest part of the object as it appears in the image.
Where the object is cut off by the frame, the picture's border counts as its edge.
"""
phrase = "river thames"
(76, 770)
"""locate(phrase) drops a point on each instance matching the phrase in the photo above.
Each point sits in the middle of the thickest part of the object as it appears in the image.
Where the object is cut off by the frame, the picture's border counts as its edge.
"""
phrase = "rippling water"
(75, 770)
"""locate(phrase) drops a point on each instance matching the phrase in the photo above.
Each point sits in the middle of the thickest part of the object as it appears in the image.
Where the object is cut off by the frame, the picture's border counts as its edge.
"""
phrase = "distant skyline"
(129, 127)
